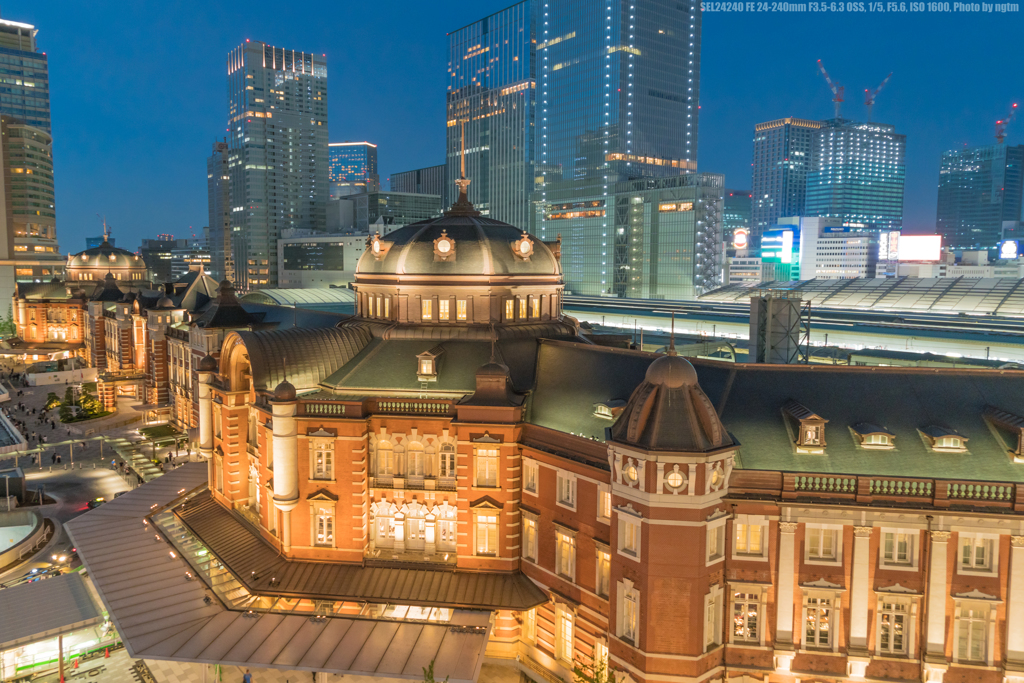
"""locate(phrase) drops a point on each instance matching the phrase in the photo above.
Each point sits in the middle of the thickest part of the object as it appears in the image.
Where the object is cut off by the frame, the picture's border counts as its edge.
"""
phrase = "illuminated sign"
(889, 246)
(920, 247)
(741, 238)
(1008, 250)
(780, 246)
(676, 206)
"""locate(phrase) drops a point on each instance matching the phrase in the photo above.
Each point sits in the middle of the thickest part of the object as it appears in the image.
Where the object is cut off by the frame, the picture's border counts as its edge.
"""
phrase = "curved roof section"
(483, 246)
(305, 357)
(997, 296)
(104, 257)
(329, 299)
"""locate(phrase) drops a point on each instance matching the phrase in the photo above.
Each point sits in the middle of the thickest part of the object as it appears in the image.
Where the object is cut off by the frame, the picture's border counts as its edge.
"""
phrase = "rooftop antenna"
(672, 337)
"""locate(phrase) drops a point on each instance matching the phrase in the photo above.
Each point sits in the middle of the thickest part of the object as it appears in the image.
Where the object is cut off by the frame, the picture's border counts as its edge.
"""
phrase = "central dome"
(458, 245)
(96, 262)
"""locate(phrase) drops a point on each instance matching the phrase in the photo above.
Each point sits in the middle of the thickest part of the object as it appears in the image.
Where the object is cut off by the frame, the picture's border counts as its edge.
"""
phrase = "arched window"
(414, 466)
(383, 524)
(385, 459)
(446, 520)
(415, 526)
(254, 487)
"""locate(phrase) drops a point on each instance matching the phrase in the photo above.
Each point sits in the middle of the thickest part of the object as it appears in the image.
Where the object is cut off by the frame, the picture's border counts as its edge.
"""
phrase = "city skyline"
(101, 118)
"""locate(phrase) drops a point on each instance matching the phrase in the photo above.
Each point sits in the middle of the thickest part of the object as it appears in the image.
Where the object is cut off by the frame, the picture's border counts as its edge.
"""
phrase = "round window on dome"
(444, 246)
(631, 473)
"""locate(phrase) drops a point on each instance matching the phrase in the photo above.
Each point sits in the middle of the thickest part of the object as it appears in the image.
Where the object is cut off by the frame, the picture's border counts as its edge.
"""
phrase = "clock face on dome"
(523, 247)
(444, 247)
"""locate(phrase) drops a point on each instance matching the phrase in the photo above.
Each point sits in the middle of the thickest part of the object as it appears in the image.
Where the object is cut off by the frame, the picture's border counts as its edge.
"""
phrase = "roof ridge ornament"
(672, 337)
(462, 206)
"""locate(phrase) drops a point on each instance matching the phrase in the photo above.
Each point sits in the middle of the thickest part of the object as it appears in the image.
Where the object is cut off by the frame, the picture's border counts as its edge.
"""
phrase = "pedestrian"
(53, 458)
(58, 459)
(247, 678)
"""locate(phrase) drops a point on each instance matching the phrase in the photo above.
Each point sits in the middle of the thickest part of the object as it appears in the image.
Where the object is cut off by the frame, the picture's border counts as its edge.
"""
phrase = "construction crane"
(1003, 123)
(869, 96)
(837, 90)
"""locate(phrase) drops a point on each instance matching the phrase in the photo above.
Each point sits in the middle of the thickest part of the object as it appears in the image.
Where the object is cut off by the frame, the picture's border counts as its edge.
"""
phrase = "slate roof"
(244, 552)
(303, 356)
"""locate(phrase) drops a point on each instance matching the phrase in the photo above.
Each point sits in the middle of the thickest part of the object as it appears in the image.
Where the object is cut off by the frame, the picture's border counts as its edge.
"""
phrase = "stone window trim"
(984, 604)
(330, 506)
(602, 584)
(910, 601)
(604, 503)
(627, 625)
(564, 651)
(486, 458)
(320, 441)
(565, 538)
(836, 531)
(894, 562)
(486, 510)
(753, 593)
(530, 544)
(566, 492)
(715, 539)
(748, 521)
(984, 555)
(814, 594)
(531, 476)
(629, 521)
(713, 601)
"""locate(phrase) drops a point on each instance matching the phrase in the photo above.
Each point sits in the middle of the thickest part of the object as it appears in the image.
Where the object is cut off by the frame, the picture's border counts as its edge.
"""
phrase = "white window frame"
(630, 531)
(985, 616)
(325, 524)
(744, 597)
(478, 529)
(893, 563)
(715, 540)
(486, 457)
(752, 527)
(565, 493)
(604, 503)
(530, 531)
(530, 625)
(602, 570)
(565, 553)
(316, 448)
(890, 606)
(565, 634)
(815, 535)
(531, 476)
(990, 542)
(627, 626)
(713, 618)
(812, 603)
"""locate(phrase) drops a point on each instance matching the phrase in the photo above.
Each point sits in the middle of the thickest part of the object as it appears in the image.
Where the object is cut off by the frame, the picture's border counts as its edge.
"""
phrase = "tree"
(65, 414)
(69, 397)
(596, 672)
(52, 401)
(7, 326)
(428, 674)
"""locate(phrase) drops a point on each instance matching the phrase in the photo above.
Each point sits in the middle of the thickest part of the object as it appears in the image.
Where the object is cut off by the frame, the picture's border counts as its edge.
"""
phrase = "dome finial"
(672, 337)
(462, 206)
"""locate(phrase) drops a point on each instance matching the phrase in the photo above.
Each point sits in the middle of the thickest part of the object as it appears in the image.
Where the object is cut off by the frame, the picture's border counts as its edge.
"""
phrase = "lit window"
(604, 503)
(564, 637)
(487, 467)
(427, 309)
(534, 307)
(531, 473)
(530, 624)
(715, 542)
(748, 539)
(629, 534)
(510, 309)
(460, 309)
(325, 527)
(818, 621)
(387, 307)
(323, 460)
(822, 544)
(898, 548)
(426, 366)
(385, 459)
(446, 460)
(565, 554)
(712, 618)
(522, 309)
(414, 465)
(604, 572)
(746, 613)
(893, 626)
(487, 533)
(529, 537)
(972, 631)
(442, 309)
(629, 607)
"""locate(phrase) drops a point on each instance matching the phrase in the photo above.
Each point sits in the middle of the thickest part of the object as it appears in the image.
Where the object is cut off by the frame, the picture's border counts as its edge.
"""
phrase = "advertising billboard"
(920, 247)
(1008, 250)
(740, 238)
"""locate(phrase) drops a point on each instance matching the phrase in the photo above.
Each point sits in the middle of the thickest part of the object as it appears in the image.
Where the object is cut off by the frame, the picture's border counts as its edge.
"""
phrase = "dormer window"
(944, 440)
(1009, 428)
(874, 437)
(609, 410)
(809, 428)
(427, 364)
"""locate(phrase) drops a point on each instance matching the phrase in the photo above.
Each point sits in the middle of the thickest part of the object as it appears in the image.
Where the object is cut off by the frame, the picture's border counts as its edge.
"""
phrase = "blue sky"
(138, 90)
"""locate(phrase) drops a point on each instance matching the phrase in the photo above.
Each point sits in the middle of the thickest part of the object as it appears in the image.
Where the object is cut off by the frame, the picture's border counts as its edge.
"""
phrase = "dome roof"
(671, 371)
(165, 302)
(106, 257)
(208, 364)
(458, 245)
(285, 391)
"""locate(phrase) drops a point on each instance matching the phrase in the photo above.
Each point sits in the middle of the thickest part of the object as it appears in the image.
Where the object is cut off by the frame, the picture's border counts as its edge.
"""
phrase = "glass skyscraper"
(782, 158)
(277, 118)
(218, 188)
(490, 111)
(352, 168)
(979, 189)
(25, 94)
(429, 180)
(857, 174)
(617, 89)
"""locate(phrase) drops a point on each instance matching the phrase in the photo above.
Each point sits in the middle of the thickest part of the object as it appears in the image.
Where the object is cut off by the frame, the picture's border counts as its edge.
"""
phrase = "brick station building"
(458, 448)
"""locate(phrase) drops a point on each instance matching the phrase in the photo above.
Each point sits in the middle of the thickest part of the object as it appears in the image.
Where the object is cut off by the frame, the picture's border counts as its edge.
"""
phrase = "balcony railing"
(895, 491)
(413, 406)
(415, 483)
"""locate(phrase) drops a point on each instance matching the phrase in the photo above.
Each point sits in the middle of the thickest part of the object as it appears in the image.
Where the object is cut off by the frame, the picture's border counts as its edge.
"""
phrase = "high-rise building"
(490, 111)
(979, 189)
(429, 180)
(277, 118)
(618, 86)
(26, 87)
(857, 174)
(352, 168)
(782, 158)
(735, 213)
(218, 186)
(93, 242)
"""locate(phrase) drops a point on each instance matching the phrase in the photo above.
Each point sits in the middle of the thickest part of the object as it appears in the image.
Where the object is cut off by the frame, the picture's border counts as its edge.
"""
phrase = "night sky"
(138, 90)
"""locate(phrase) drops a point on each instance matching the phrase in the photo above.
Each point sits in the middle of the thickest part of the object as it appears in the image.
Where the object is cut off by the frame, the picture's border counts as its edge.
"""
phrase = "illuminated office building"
(218, 185)
(26, 87)
(352, 168)
(735, 213)
(429, 180)
(857, 174)
(490, 112)
(782, 157)
(979, 189)
(277, 118)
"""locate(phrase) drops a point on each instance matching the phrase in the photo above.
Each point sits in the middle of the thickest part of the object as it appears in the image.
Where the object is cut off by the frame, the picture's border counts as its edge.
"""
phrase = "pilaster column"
(205, 414)
(1015, 606)
(860, 596)
(286, 464)
(784, 596)
(937, 594)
